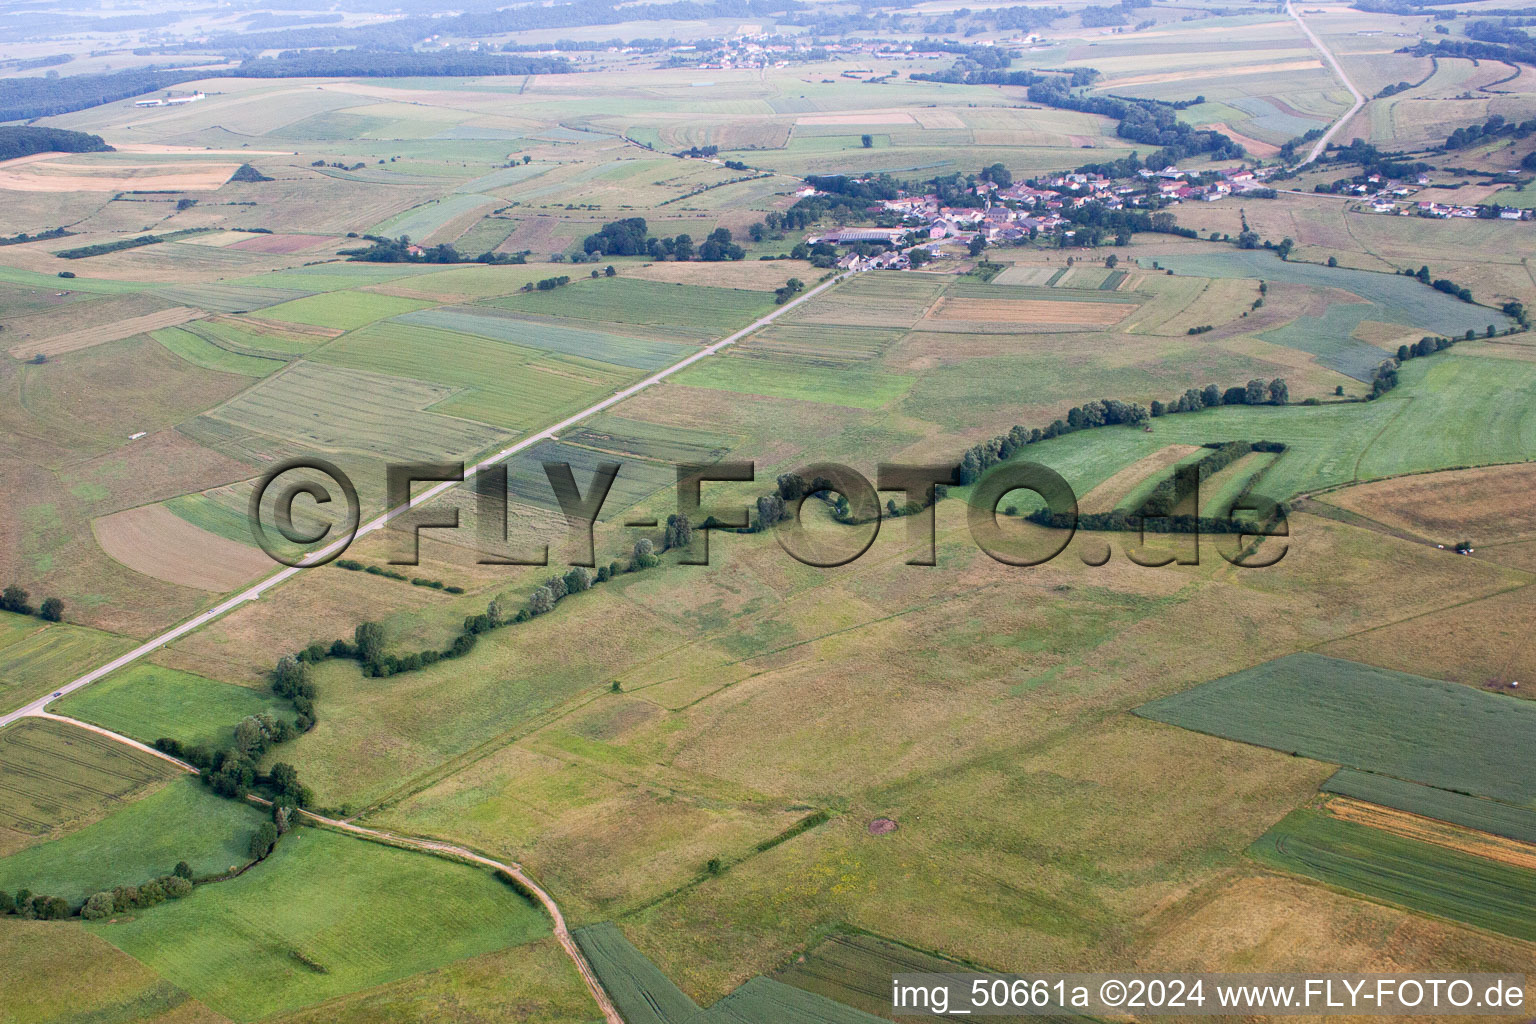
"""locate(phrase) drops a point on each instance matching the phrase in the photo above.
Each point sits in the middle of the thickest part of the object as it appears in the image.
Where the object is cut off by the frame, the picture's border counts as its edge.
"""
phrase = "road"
(224, 607)
(1338, 69)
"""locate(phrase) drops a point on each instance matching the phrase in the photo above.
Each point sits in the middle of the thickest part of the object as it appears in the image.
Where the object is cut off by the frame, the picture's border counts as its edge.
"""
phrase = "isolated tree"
(182, 870)
(578, 579)
(977, 243)
(770, 509)
(284, 777)
(14, 599)
(540, 601)
(262, 840)
(679, 531)
(757, 232)
(867, 140)
(1111, 261)
(98, 907)
(53, 608)
(608, 271)
(369, 639)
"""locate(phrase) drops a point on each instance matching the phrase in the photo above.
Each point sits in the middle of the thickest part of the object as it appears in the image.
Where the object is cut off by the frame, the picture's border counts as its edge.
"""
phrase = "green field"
(325, 915)
(1501, 819)
(495, 382)
(342, 310)
(420, 221)
(1394, 298)
(181, 821)
(642, 993)
(327, 408)
(202, 352)
(856, 971)
(58, 775)
(38, 662)
(672, 309)
(148, 702)
(1420, 876)
(859, 389)
(1342, 712)
(553, 336)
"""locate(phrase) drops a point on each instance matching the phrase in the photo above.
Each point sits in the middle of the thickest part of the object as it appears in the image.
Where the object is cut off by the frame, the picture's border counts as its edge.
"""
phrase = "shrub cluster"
(353, 565)
(15, 599)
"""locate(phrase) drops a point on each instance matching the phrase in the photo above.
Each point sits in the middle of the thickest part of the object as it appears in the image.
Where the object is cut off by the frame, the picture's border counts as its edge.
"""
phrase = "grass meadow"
(181, 821)
(324, 916)
(148, 702)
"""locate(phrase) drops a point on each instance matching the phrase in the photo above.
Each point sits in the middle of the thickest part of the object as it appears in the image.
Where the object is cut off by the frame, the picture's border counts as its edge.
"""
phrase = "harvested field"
(1421, 876)
(1109, 494)
(156, 542)
(1186, 74)
(59, 775)
(282, 243)
(70, 341)
(1488, 505)
(1029, 311)
(51, 176)
(859, 117)
(1428, 830)
(1482, 816)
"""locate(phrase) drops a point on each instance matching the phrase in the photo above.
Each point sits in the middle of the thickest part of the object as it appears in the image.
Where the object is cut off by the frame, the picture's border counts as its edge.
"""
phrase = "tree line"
(631, 237)
(24, 140)
(367, 646)
(1166, 497)
(399, 250)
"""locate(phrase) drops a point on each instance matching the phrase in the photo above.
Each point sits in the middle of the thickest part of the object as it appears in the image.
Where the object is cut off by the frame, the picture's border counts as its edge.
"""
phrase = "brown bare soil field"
(1031, 311)
(156, 542)
(1488, 505)
(86, 337)
(281, 243)
(1428, 830)
(1107, 494)
(153, 468)
(47, 176)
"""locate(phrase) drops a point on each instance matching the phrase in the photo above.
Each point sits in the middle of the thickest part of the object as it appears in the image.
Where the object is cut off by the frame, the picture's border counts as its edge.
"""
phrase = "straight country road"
(1338, 69)
(253, 593)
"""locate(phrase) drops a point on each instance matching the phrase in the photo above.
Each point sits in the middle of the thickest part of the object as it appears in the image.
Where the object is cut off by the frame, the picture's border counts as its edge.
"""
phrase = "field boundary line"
(254, 592)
